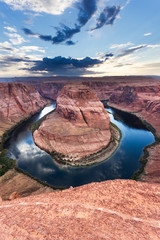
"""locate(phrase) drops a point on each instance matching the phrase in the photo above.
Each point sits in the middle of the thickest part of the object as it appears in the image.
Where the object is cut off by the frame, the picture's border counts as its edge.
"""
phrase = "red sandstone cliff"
(80, 126)
(18, 101)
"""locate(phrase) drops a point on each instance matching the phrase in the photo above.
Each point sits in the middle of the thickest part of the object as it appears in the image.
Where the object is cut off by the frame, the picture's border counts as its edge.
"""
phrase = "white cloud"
(15, 38)
(55, 7)
(147, 34)
(10, 29)
(123, 45)
(20, 51)
(153, 45)
(32, 48)
(5, 46)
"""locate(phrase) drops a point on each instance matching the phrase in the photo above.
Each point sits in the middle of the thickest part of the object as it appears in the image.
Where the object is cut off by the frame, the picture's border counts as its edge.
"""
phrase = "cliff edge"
(115, 210)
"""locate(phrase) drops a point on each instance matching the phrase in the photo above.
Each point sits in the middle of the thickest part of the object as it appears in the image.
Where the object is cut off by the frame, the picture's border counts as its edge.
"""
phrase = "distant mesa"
(77, 129)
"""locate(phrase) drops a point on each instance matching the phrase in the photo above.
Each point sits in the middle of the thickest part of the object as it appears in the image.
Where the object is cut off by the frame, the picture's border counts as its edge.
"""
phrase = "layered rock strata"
(118, 210)
(18, 101)
(144, 102)
(79, 127)
(23, 185)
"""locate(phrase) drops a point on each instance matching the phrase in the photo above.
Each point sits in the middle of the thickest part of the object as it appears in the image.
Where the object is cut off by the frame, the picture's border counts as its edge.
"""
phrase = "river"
(121, 165)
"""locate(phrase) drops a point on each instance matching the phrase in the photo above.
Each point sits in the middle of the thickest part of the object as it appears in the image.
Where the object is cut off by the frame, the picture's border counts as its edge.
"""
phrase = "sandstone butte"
(111, 210)
(79, 127)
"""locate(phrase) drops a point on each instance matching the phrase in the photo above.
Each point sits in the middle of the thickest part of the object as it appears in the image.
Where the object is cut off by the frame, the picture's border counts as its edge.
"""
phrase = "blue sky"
(83, 37)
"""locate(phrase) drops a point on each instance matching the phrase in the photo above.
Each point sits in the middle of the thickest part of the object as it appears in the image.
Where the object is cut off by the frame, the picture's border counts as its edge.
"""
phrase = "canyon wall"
(17, 102)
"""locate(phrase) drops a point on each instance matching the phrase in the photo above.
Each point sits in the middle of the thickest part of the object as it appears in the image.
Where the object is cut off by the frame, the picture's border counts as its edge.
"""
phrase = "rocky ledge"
(79, 128)
(118, 210)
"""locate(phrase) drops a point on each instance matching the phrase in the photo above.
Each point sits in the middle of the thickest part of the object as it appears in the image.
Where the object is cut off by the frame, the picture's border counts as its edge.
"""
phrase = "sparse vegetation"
(6, 163)
(36, 124)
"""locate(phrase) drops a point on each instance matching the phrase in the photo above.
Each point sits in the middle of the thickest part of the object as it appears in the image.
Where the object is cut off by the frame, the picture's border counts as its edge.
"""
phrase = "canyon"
(119, 209)
(137, 95)
(78, 128)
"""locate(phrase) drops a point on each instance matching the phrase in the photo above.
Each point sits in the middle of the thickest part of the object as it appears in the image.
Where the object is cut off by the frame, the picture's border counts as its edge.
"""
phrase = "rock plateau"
(79, 127)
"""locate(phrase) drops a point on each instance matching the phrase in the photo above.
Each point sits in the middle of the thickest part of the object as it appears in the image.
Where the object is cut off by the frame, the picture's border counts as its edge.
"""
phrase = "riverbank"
(13, 179)
(150, 162)
(100, 156)
(7, 163)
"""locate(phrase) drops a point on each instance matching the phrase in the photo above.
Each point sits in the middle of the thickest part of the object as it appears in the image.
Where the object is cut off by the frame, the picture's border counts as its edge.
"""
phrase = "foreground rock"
(119, 210)
(79, 127)
(14, 184)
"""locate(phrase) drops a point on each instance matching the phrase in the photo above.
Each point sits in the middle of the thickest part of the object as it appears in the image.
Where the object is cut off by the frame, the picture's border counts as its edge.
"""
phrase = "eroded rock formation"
(80, 126)
(17, 101)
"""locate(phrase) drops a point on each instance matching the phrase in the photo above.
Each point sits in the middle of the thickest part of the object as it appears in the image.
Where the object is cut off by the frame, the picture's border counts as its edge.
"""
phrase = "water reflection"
(121, 164)
(46, 110)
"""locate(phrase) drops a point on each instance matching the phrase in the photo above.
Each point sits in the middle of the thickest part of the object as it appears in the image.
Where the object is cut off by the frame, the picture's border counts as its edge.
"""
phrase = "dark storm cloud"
(108, 55)
(62, 34)
(69, 43)
(50, 64)
(86, 9)
(131, 50)
(65, 33)
(46, 37)
(28, 32)
(107, 16)
(62, 65)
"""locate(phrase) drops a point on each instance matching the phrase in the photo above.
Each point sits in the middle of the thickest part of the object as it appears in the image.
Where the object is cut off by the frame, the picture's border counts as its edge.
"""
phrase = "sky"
(79, 38)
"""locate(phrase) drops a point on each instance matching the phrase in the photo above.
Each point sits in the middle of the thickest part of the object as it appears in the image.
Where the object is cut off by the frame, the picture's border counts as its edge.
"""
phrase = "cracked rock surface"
(116, 210)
